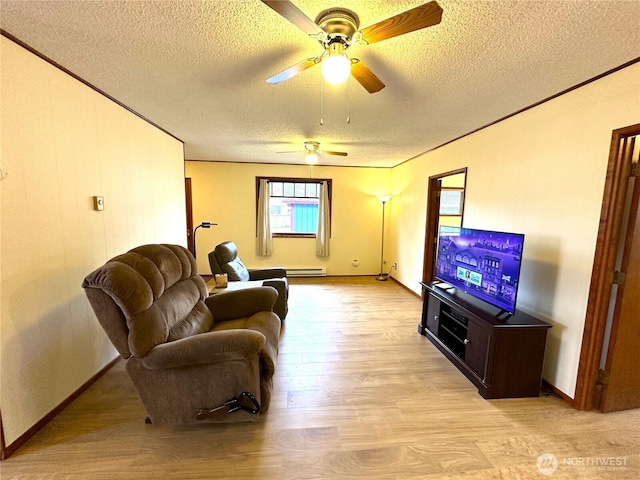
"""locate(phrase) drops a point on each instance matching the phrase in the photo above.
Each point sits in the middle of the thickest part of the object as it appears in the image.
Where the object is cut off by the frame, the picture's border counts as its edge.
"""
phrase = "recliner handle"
(245, 401)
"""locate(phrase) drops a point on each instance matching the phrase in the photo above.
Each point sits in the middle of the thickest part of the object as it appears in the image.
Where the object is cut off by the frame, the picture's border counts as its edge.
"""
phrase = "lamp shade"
(384, 198)
(337, 68)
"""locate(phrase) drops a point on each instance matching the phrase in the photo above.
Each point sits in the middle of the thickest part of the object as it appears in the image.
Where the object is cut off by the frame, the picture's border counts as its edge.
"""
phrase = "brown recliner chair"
(224, 259)
(186, 352)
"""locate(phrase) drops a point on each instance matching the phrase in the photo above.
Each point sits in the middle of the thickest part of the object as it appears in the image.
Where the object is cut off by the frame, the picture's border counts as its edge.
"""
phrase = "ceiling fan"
(312, 149)
(338, 28)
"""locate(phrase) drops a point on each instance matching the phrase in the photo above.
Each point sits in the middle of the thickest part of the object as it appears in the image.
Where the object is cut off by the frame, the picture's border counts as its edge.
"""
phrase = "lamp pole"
(203, 225)
(382, 276)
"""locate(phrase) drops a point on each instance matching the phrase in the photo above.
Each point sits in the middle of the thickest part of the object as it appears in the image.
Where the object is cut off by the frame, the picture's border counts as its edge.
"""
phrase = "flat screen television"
(481, 263)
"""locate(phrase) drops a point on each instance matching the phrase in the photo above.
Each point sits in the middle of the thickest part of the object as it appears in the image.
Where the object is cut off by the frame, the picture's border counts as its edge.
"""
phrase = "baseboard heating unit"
(307, 272)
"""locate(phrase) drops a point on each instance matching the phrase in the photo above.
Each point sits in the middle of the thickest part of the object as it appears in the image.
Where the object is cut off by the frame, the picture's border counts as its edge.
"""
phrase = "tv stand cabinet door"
(476, 352)
(431, 314)
(517, 358)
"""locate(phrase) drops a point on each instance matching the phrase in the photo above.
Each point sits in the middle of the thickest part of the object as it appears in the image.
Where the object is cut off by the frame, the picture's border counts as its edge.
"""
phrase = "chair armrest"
(267, 273)
(281, 307)
(241, 303)
(208, 347)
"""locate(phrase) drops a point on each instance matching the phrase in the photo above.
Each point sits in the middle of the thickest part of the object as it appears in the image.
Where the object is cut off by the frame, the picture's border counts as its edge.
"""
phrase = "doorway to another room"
(445, 206)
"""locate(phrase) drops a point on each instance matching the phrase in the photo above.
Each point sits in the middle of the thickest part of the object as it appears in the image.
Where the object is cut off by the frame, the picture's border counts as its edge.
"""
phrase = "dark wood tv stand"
(501, 356)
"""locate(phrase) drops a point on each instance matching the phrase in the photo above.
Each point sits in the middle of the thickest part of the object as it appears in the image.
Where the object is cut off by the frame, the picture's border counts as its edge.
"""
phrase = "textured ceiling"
(198, 68)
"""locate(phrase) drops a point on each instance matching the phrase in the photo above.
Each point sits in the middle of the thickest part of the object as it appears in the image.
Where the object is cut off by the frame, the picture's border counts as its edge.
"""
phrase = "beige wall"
(63, 143)
(540, 173)
(225, 193)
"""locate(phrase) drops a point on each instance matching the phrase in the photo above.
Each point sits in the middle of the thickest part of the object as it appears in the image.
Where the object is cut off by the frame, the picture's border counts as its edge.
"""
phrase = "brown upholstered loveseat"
(185, 351)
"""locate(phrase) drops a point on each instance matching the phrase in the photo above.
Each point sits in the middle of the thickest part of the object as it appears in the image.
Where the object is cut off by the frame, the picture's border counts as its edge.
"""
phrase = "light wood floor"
(358, 394)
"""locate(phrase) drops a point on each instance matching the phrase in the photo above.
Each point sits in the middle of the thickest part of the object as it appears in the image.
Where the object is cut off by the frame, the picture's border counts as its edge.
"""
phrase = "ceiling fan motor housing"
(338, 21)
(311, 146)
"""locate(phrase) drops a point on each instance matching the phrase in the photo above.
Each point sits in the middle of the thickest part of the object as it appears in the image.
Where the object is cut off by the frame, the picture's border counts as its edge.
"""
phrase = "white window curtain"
(264, 223)
(322, 235)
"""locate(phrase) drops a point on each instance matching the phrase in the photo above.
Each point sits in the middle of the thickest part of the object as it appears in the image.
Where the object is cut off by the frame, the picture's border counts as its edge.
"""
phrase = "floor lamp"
(203, 225)
(382, 276)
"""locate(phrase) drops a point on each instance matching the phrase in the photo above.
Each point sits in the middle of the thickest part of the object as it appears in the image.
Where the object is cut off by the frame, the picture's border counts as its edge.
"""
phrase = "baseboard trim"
(396, 281)
(405, 287)
(553, 390)
(7, 450)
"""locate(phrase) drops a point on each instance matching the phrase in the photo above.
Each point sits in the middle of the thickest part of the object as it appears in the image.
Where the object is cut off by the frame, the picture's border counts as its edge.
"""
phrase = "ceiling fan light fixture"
(337, 68)
(311, 158)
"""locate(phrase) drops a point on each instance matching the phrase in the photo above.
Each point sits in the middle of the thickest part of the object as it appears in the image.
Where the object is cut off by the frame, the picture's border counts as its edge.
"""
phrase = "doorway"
(445, 206)
(609, 373)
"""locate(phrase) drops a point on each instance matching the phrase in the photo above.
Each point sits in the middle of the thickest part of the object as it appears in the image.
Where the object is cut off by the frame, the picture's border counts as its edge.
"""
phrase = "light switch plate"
(98, 203)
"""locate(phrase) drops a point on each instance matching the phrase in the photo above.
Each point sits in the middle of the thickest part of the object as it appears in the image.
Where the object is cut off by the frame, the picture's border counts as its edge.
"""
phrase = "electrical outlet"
(355, 262)
(395, 266)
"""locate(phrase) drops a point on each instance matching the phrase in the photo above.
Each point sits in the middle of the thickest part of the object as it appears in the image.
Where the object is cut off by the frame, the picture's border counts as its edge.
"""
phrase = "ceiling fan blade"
(292, 13)
(423, 16)
(342, 154)
(294, 70)
(291, 151)
(365, 77)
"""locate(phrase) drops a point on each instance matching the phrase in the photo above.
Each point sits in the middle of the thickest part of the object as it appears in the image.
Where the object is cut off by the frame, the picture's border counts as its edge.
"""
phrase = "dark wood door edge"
(3, 449)
(188, 191)
(603, 267)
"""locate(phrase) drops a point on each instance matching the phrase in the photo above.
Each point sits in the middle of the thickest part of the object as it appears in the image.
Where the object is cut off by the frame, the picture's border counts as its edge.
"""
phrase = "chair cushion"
(236, 271)
(226, 252)
(227, 255)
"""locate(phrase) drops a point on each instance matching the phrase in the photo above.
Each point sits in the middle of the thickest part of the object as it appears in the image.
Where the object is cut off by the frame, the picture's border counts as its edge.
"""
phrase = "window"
(451, 201)
(293, 205)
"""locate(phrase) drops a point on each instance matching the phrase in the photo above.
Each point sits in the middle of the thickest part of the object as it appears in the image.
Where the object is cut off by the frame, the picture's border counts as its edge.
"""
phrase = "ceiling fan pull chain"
(322, 101)
(349, 100)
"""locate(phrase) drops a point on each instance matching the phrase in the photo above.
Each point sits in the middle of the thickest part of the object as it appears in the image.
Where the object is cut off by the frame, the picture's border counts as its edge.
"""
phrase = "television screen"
(482, 263)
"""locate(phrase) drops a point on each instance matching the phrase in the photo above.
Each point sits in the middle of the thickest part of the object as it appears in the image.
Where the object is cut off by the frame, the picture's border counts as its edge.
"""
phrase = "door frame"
(611, 218)
(189, 204)
(433, 213)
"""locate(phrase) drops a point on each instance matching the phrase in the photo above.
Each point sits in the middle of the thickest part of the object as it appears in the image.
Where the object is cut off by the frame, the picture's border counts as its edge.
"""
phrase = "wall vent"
(307, 272)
